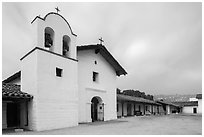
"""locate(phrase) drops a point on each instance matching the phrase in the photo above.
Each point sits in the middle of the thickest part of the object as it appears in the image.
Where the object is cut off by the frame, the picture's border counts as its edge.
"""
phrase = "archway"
(97, 109)
(65, 46)
(48, 38)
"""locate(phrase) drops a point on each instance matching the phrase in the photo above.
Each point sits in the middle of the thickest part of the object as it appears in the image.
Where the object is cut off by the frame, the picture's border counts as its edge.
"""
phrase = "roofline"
(167, 103)
(55, 14)
(151, 101)
(102, 47)
(38, 48)
(17, 74)
(12, 77)
(7, 88)
(187, 103)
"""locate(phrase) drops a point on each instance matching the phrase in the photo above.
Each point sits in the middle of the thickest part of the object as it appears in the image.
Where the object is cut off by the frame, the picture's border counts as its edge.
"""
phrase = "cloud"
(159, 44)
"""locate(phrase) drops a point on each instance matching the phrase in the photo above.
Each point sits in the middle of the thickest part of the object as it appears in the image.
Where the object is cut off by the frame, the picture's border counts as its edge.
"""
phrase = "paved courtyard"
(142, 125)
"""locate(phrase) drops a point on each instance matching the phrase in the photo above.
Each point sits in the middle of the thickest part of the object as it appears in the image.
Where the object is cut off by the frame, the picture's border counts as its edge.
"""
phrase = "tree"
(137, 93)
(118, 91)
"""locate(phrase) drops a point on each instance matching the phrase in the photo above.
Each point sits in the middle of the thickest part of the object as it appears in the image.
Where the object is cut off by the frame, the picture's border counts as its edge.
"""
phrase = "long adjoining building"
(137, 106)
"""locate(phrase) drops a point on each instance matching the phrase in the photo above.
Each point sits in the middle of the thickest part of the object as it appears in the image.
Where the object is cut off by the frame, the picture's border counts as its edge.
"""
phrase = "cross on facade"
(57, 9)
(101, 40)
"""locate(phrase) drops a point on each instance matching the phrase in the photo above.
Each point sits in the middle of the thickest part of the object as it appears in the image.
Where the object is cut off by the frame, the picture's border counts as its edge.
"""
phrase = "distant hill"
(174, 98)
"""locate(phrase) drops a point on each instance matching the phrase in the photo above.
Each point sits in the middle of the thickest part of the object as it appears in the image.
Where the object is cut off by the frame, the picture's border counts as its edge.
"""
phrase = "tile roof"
(13, 77)
(199, 96)
(187, 103)
(106, 54)
(167, 103)
(135, 99)
(12, 91)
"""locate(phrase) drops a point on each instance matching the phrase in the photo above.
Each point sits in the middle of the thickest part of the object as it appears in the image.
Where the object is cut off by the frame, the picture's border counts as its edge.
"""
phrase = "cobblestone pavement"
(141, 125)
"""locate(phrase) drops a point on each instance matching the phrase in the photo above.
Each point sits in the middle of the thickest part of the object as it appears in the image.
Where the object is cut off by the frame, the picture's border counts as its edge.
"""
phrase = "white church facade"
(69, 84)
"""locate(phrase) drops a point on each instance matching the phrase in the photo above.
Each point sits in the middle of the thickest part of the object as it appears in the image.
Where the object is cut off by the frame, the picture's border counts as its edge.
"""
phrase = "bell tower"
(54, 33)
(49, 73)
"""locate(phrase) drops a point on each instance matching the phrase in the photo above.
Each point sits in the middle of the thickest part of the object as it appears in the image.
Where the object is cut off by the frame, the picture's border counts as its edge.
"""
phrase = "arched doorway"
(97, 109)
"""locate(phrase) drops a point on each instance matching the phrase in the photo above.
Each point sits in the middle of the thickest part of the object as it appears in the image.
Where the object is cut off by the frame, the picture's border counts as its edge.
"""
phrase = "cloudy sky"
(159, 44)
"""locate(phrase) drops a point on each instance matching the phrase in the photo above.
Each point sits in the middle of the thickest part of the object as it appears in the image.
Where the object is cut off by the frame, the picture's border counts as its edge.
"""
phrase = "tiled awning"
(107, 56)
(12, 92)
(167, 103)
(187, 103)
(136, 99)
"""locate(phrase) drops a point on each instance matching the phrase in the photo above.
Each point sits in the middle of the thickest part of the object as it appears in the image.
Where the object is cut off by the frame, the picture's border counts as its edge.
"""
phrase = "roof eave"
(106, 54)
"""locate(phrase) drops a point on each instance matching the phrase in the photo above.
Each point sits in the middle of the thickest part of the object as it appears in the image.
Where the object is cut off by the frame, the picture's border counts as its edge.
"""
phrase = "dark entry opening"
(13, 115)
(157, 109)
(94, 109)
(129, 109)
(194, 110)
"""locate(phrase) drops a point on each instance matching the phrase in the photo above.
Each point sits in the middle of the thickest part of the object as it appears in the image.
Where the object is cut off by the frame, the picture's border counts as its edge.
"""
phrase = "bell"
(47, 44)
(48, 40)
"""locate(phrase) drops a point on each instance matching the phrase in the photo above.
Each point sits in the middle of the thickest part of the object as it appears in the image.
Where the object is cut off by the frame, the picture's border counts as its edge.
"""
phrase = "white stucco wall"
(105, 88)
(200, 106)
(168, 111)
(188, 109)
(193, 99)
(55, 103)
(29, 85)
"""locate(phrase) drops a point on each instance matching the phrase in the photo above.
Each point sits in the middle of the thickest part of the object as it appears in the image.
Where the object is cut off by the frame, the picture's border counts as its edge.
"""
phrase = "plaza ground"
(141, 125)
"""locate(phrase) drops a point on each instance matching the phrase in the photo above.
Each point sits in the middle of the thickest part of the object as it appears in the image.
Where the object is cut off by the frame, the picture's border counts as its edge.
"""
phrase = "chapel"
(60, 84)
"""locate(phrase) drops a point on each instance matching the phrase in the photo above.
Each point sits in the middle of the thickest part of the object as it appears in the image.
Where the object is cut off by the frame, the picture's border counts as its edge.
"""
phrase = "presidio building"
(60, 84)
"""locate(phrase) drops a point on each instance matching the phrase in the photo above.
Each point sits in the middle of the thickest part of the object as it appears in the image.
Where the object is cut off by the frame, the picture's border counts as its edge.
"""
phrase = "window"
(49, 36)
(117, 107)
(95, 62)
(95, 77)
(194, 110)
(65, 46)
(58, 72)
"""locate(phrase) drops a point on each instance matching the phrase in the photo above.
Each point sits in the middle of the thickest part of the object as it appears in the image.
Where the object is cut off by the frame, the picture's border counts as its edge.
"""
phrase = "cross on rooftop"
(101, 40)
(57, 9)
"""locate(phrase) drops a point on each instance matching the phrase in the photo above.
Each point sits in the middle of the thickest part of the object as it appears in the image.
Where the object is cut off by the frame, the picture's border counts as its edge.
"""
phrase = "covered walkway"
(130, 106)
(14, 106)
